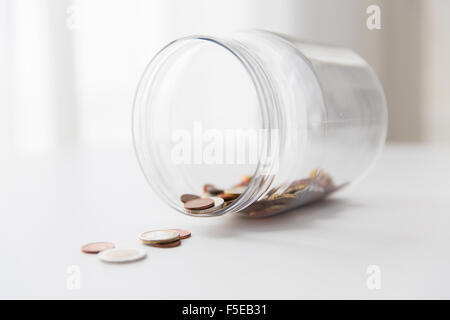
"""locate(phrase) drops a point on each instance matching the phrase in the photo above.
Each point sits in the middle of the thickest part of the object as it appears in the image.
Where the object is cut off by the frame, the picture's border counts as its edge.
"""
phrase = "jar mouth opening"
(161, 93)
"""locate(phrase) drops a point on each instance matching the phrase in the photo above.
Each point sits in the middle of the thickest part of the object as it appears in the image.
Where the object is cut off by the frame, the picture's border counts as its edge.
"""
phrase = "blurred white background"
(69, 68)
(68, 73)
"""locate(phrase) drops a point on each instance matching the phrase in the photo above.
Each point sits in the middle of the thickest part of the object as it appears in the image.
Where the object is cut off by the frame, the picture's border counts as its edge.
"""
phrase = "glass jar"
(257, 119)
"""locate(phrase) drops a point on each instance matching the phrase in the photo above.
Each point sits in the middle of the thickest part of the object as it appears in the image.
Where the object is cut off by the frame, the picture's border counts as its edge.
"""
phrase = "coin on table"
(96, 247)
(159, 236)
(217, 204)
(183, 233)
(188, 197)
(167, 245)
(199, 204)
(119, 255)
(235, 190)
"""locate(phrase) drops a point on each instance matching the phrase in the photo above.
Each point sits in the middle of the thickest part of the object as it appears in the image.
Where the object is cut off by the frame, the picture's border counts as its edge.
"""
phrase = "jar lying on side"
(255, 123)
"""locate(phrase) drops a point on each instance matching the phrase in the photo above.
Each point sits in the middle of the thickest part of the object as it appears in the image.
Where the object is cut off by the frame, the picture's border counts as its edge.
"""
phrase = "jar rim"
(267, 101)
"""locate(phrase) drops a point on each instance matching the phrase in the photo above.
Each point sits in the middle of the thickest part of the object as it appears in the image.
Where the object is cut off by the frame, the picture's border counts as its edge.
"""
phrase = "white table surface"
(398, 218)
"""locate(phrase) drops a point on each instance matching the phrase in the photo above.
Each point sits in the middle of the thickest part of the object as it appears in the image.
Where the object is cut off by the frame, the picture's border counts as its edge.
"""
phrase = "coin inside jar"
(218, 203)
(188, 197)
(312, 186)
(199, 204)
(227, 197)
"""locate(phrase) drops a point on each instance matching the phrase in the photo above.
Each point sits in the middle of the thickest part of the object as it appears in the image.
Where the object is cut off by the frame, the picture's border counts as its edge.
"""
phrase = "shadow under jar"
(262, 122)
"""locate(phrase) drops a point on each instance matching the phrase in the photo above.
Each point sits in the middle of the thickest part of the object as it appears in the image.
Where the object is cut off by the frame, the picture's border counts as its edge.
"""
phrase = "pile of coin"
(164, 238)
(317, 185)
(213, 198)
(299, 192)
(107, 251)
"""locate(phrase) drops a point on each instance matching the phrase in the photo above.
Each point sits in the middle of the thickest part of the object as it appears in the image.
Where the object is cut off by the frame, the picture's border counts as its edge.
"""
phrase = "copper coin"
(188, 197)
(96, 247)
(182, 232)
(218, 203)
(228, 197)
(167, 245)
(199, 204)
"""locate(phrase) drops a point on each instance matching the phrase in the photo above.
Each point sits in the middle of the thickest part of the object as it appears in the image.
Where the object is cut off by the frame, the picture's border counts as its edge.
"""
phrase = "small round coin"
(96, 247)
(188, 197)
(218, 203)
(159, 236)
(119, 255)
(182, 232)
(167, 245)
(199, 204)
